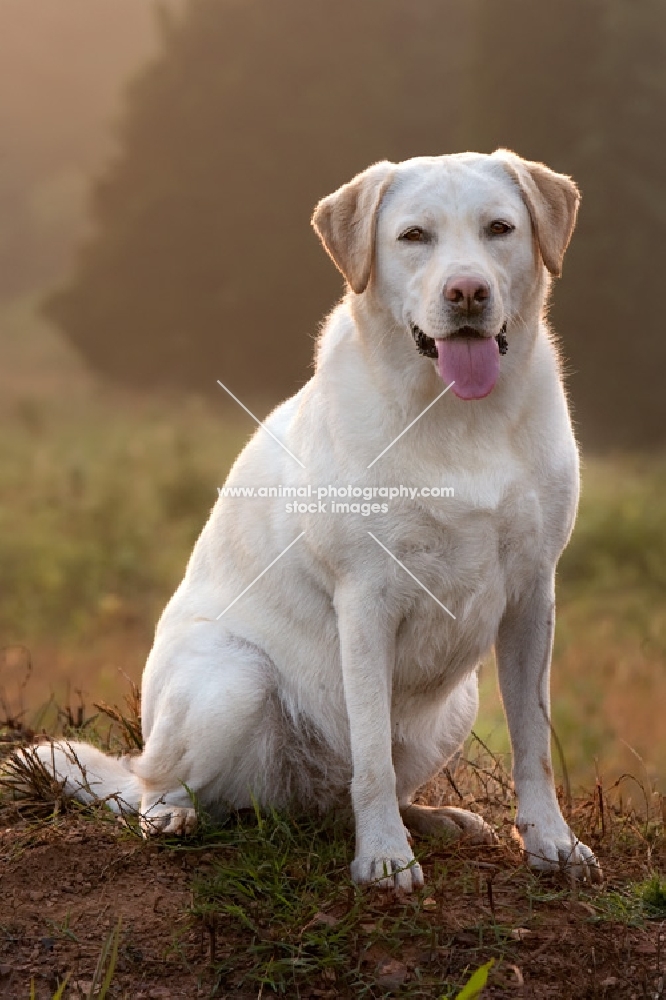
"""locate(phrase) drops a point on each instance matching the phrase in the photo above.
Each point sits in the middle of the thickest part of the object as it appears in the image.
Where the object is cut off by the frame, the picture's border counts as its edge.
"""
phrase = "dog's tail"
(83, 772)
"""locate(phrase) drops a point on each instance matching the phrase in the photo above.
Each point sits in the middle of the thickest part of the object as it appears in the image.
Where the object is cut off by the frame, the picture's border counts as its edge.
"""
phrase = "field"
(101, 498)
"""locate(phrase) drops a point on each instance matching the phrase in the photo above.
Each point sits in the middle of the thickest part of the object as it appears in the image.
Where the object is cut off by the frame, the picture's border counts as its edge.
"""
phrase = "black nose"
(467, 293)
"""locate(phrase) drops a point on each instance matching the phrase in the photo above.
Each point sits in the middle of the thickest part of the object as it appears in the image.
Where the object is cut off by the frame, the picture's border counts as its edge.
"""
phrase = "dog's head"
(455, 248)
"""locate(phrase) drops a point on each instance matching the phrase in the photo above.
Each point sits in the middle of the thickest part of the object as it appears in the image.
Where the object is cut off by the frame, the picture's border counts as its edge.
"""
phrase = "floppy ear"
(345, 222)
(552, 200)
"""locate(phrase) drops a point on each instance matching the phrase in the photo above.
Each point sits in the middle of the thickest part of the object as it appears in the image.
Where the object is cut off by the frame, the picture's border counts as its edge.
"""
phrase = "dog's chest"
(469, 559)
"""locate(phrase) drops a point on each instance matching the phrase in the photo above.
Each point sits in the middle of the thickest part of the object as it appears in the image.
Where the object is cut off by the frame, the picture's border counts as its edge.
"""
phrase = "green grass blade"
(114, 942)
(107, 959)
(472, 989)
(59, 993)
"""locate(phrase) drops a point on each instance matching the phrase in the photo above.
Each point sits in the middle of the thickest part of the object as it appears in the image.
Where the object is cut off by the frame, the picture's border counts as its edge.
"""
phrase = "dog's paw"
(403, 873)
(558, 849)
(169, 821)
(448, 822)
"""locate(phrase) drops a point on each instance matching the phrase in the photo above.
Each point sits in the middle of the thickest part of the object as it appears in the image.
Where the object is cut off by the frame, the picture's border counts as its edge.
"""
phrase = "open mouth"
(467, 358)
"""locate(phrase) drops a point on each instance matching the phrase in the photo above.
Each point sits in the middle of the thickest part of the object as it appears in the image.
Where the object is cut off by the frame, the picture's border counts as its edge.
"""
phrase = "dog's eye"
(413, 235)
(500, 228)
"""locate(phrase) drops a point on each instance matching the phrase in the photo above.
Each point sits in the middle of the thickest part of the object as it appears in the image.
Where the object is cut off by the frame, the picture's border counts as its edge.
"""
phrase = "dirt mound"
(64, 885)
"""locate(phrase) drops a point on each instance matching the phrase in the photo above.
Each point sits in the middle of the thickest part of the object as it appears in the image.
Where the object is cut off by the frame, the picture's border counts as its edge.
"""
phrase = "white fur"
(336, 670)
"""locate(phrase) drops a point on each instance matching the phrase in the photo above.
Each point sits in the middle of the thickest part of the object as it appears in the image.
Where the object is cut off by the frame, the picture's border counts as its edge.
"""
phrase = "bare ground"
(67, 878)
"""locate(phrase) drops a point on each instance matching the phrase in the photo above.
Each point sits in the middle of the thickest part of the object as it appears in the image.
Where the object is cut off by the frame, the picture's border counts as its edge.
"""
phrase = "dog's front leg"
(524, 646)
(367, 645)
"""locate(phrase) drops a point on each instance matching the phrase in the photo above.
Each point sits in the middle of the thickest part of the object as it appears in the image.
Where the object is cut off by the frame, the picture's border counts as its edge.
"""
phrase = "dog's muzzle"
(427, 347)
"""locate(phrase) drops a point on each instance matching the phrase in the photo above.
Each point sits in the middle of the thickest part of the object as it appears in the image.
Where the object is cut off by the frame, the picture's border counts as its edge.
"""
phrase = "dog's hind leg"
(205, 697)
(447, 822)
(423, 751)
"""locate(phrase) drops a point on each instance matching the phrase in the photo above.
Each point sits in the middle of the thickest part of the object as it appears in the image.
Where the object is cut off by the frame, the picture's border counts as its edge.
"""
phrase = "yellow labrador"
(319, 649)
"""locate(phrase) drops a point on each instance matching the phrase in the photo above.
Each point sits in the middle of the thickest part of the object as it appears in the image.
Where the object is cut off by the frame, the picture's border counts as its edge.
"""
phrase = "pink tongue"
(472, 363)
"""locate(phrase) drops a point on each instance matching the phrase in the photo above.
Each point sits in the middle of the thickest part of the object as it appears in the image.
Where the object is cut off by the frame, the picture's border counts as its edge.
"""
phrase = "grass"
(83, 503)
(285, 883)
(636, 902)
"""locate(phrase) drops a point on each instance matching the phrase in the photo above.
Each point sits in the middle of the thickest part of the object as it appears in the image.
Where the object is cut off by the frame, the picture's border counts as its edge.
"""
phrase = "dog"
(314, 656)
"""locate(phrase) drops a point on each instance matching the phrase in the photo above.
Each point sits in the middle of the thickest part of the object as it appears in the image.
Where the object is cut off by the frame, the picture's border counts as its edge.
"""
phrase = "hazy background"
(158, 167)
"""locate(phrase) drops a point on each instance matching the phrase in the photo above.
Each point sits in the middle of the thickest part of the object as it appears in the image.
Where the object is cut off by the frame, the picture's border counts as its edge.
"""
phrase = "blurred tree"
(203, 264)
